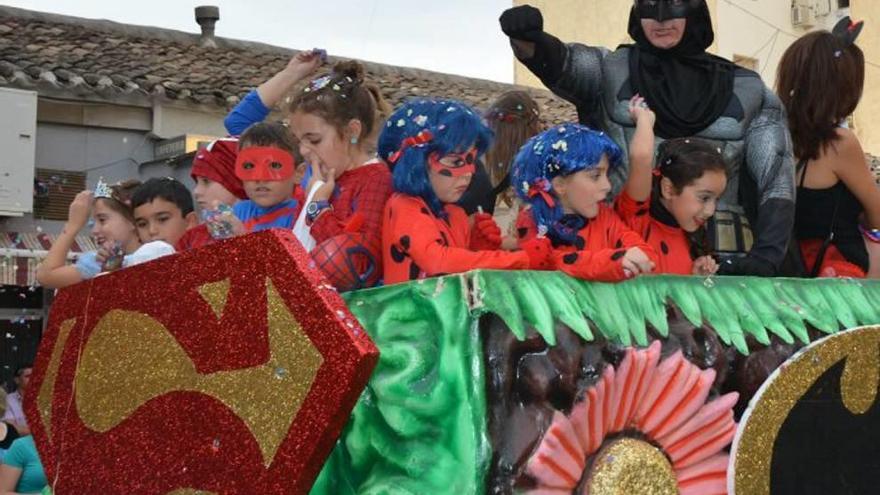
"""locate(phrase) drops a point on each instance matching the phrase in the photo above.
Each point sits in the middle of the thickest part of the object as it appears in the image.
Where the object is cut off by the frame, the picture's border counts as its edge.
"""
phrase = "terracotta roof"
(99, 59)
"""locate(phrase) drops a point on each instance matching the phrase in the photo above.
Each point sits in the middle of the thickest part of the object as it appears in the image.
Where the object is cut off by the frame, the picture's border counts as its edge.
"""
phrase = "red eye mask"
(262, 163)
(466, 163)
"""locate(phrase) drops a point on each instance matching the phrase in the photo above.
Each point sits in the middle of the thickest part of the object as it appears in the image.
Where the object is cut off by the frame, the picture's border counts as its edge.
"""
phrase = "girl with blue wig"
(562, 174)
(433, 146)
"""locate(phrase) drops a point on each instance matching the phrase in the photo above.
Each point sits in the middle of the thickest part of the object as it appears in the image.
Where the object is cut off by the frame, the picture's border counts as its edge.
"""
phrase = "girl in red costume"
(670, 205)
(333, 118)
(562, 174)
(433, 146)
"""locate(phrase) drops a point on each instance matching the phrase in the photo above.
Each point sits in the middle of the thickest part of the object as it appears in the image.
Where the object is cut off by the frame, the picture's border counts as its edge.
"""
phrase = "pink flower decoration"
(663, 402)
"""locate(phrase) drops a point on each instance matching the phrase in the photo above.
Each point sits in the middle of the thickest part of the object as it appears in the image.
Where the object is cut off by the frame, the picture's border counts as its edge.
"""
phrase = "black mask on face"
(663, 10)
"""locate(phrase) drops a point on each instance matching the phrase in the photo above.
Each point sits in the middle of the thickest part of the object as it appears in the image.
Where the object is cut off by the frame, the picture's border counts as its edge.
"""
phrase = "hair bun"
(352, 69)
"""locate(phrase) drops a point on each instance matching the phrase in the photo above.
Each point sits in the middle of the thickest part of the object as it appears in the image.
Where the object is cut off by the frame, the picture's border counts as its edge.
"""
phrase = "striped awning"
(21, 252)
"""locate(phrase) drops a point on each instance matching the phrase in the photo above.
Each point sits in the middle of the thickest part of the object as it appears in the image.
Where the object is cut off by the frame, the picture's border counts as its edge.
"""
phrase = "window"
(54, 191)
(842, 4)
(750, 63)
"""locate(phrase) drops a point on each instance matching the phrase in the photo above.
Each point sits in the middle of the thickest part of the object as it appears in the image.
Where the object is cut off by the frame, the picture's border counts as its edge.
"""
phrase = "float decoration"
(465, 361)
(229, 369)
(814, 425)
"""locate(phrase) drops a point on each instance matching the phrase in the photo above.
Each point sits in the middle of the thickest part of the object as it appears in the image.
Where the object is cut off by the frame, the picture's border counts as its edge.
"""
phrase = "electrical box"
(802, 16)
(822, 7)
(18, 136)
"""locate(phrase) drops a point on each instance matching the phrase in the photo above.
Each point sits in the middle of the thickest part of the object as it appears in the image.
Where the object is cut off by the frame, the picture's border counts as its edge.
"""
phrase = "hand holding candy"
(705, 266)
(640, 111)
(485, 235)
(220, 221)
(111, 255)
(303, 64)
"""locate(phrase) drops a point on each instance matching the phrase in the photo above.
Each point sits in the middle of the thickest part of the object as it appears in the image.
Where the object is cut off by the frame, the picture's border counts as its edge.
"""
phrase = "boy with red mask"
(266, 167)
(213, 171)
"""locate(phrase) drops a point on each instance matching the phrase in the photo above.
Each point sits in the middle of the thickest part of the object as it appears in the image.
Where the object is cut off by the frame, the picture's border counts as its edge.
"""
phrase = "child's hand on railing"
(705, 266)
(636, 262)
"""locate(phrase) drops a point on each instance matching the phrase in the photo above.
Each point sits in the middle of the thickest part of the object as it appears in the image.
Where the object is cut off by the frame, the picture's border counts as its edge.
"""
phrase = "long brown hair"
(344, 95)
(820, 82)
(514, 117)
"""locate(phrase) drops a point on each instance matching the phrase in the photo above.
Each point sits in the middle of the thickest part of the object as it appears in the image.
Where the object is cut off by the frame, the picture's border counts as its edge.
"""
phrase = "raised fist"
(522, 23)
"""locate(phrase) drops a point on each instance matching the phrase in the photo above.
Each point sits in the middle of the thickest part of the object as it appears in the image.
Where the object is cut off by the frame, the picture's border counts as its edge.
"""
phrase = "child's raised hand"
(636, 262)
(305, 63)
(705, 266)
(80, 207)
(640, 112)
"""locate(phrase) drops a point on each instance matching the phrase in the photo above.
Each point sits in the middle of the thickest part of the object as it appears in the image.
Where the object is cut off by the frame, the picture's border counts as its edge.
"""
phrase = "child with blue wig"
(562, 174)
(433, 146)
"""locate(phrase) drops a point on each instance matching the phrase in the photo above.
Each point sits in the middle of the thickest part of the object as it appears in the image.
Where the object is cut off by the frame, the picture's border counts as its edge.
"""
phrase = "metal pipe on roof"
(207, 16)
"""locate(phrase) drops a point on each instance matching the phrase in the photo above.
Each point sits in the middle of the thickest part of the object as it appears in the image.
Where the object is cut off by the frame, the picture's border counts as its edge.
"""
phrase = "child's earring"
(354, 140)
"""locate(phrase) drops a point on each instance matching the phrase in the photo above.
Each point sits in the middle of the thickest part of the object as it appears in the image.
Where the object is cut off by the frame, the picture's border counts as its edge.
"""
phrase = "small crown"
(102, 190)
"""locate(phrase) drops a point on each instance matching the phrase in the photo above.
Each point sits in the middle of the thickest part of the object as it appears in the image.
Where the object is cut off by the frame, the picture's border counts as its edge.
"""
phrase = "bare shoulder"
(846, 151)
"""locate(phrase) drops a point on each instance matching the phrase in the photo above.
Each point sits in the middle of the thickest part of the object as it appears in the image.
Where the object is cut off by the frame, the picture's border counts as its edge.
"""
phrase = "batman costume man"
(693, 93)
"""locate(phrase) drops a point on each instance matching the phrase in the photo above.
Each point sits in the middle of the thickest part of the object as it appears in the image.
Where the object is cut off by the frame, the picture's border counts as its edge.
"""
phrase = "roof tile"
(108, 59)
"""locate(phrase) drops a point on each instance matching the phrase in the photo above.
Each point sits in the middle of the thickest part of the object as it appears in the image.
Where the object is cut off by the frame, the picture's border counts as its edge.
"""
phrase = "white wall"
(765, 37)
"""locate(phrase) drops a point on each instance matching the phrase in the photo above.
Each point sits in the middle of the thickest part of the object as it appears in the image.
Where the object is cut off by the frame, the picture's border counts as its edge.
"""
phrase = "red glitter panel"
(179, 390)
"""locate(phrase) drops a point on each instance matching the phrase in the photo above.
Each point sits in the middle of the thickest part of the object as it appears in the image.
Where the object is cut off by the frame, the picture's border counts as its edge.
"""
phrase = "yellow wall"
(603, 23)
(867, 118)
(592, 22)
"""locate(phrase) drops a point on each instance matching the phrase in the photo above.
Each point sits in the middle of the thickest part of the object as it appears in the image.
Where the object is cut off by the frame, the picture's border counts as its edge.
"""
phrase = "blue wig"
(560, 151)
(453, 127)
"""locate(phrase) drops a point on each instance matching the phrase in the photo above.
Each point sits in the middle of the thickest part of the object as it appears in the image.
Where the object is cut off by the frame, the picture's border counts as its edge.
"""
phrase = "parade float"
(236, 369)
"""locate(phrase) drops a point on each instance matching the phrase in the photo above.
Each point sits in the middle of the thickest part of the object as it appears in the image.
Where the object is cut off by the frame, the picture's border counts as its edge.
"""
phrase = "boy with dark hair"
(267, 169)
(163, 210)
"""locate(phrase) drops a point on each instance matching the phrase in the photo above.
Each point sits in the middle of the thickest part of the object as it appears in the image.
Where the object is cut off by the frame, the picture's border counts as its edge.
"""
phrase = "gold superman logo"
(130, 359)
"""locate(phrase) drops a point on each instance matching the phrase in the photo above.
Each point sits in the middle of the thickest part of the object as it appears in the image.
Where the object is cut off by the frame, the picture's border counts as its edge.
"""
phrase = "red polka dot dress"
(417, 244)
(598, 247)
(660, 230)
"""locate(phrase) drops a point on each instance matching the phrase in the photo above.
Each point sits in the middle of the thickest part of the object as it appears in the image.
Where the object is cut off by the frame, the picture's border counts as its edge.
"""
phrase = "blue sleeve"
(249, 111)
(87, 265)
(17, 456)
(304, 183)
(242, 210)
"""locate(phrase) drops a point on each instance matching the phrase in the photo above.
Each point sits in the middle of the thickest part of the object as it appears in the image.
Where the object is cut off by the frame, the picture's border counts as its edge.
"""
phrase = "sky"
(453, 36)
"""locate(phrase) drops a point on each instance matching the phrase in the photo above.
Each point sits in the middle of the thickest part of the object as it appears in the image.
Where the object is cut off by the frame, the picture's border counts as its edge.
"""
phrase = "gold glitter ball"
(628, 466)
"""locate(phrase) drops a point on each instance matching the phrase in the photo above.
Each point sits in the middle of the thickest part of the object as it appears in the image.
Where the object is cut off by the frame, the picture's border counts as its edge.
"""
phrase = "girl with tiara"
(434, 146)
(562, 175)
(114, 231)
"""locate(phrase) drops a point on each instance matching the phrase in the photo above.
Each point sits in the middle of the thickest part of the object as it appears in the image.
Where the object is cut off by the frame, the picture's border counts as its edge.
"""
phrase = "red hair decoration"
(541, 187)
(423, 137)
